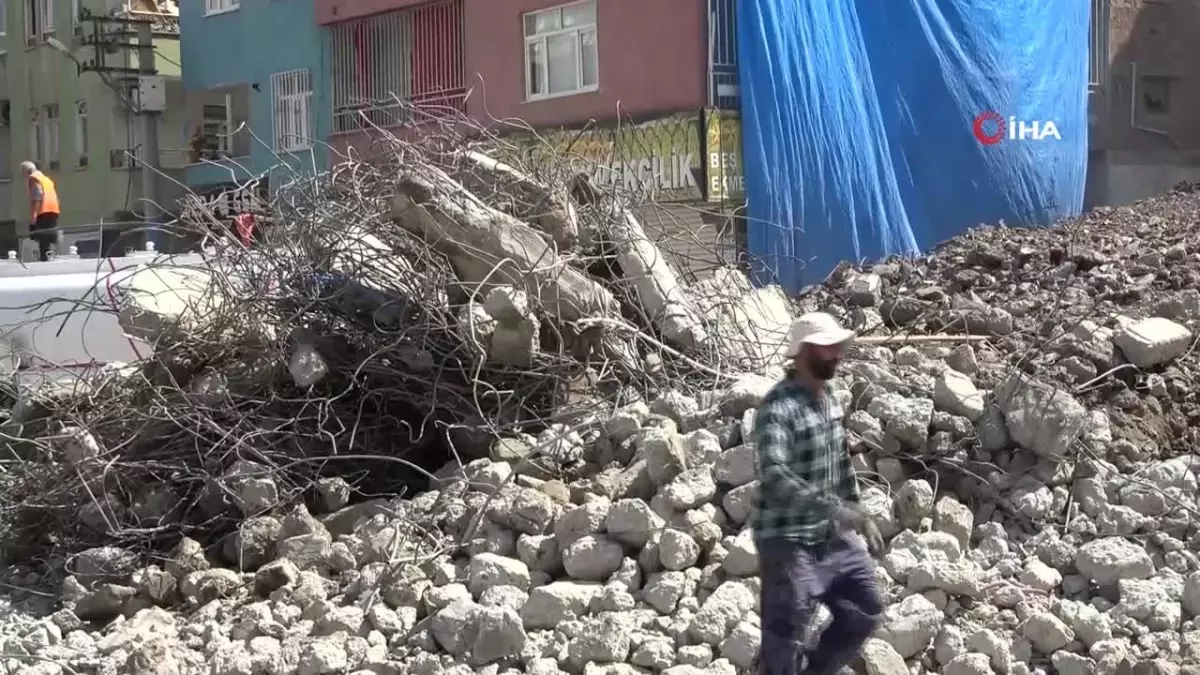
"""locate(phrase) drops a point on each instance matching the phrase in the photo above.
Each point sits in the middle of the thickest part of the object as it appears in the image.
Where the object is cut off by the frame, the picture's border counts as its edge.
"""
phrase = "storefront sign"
(681, 157)
(226, 200)
(723, 141)
(660, 160)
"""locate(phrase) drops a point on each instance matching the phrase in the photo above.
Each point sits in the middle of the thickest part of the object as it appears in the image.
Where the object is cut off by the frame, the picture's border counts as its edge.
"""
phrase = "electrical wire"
(167, 59)
(132, 109)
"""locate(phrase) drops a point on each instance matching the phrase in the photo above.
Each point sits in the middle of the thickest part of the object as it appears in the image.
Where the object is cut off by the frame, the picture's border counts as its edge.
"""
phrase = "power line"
(103, 40)
(58, 46)
(168, 60)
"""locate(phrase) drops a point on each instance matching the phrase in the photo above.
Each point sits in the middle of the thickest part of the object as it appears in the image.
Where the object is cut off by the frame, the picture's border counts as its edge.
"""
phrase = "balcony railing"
(381, 63)
(168, 158)
(163, 23)
(236, 146)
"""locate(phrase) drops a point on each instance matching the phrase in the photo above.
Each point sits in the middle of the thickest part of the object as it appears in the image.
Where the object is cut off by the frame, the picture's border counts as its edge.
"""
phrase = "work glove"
(851, 517)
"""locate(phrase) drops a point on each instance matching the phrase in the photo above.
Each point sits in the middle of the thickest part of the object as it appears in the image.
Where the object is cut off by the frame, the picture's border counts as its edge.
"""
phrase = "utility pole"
(150, 154)
(140, 88)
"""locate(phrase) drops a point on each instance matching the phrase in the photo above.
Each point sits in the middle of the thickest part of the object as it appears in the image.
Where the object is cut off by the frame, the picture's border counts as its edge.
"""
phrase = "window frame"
(292, 88)
(51, 134)
(220, 133)
(542, 37)
(36, 147)
(82, 134)
(1150, 84)
(219, 7)
(39, 21)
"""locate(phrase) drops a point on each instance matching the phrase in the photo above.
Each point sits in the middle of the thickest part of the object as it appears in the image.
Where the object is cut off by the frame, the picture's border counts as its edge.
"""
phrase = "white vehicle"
(49, 323)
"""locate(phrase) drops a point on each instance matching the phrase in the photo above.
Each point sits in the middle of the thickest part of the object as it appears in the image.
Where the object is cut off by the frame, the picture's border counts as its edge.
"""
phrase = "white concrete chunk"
(1151, 342)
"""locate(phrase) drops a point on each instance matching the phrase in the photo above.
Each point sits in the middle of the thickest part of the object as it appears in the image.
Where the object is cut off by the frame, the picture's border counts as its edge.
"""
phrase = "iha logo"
(990, 128)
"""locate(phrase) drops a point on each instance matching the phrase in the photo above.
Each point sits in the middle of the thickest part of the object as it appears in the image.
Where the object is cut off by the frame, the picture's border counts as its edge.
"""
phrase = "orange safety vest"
(49, 194)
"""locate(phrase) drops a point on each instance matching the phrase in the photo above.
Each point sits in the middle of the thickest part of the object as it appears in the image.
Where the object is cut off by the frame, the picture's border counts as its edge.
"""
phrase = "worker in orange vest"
(43, 202)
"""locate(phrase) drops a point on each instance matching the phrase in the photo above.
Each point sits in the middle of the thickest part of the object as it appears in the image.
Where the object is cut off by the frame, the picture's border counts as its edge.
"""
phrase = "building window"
(1155, 95)
(81, 133)
(4, 23)
(215, 131)
(220, 6)
(291, 94)
(43, 136)
(50, 124)
(35, 138)
(560, 51)
(7, 161)
(39, 19)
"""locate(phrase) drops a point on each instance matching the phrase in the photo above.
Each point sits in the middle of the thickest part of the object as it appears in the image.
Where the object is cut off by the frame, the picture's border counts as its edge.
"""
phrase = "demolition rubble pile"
(1022, 441)
(404, 311)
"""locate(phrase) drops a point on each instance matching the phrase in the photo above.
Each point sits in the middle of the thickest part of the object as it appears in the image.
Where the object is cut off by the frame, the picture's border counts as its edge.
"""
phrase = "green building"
(78, 125)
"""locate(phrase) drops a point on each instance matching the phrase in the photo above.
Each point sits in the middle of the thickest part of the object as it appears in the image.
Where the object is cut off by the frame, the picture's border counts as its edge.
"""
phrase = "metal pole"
(150, 154)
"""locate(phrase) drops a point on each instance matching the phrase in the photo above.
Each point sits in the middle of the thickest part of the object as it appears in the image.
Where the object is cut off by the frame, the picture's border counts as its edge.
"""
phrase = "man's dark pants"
(795, 578)
(44, 221)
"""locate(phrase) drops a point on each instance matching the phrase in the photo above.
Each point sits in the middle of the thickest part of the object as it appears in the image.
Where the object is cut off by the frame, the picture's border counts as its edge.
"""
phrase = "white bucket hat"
(816, 328)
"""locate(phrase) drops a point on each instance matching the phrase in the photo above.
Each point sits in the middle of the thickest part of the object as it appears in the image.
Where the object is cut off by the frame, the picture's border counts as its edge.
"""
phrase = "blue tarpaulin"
(878, 127)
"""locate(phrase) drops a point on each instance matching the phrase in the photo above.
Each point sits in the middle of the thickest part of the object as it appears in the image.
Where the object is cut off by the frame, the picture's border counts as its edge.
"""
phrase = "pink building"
(546, 62)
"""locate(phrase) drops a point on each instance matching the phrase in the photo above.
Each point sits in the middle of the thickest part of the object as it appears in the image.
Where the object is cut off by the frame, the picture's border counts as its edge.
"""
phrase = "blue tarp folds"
(862, 124)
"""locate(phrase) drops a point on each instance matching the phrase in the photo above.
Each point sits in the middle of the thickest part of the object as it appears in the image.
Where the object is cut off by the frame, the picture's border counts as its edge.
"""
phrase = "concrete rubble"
(1035, 486)
(159, 301)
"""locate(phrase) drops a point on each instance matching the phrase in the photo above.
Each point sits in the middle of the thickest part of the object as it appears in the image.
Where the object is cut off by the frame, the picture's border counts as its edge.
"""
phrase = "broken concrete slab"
(1152, 342)
(750, 325)
(514, 343)
(486, 246)
(161, 300)
(956, 394)
(658, 287)
(1039, 416)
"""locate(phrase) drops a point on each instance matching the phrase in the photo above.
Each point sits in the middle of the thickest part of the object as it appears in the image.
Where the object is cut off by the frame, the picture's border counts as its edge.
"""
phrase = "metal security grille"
(723, 89)
(292, 94)
(411, 55)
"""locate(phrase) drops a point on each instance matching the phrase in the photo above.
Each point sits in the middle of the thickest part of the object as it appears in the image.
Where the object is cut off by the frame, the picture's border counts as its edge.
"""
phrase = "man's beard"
(822, 369)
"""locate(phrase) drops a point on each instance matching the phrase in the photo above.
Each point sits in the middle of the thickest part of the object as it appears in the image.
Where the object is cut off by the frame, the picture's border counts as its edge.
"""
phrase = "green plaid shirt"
(803, 464)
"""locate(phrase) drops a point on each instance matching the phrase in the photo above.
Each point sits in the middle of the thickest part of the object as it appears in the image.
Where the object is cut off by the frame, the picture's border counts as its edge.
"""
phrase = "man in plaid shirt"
(808, 511)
